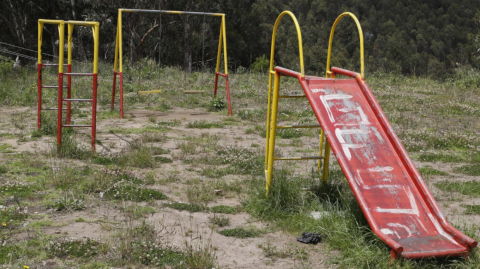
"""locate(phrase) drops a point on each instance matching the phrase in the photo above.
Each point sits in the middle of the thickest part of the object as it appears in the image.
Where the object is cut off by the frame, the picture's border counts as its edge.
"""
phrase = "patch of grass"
(220, 220)
(202, 124)
(240, 232)
(471, 170)
(159, 151)
(472, 209)
(11, 217)
(103, 159)
(428, 172)
(6, 148)
(3, 169)
(75, 248)
(17, 189)
(216, 104)
(470, 188)
(161, 159)
(129, 192)
(9, 254)
(137, 211)
(223, 209)
(155, 137)
(69, 203)
(152, 253)
(200, 256)
(242, 160)
(186, 207)
(71, 148)
(214, 171)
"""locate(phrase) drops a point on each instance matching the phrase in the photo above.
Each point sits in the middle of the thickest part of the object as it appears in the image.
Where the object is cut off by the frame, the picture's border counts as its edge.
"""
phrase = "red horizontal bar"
(344, 72)
(221, 74)
(77, 100)
(76, 125)
(287, 72)
(78, 74)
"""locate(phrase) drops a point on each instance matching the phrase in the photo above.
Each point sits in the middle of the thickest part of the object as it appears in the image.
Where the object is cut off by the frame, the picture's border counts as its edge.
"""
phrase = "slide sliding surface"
(396, 202)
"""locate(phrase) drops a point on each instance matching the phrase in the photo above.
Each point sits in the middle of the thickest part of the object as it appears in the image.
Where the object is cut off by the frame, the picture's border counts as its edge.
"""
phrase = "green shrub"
(260, 65)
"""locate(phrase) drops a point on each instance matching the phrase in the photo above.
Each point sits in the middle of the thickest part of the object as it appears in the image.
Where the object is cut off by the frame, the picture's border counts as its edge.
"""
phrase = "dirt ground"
(175, 227)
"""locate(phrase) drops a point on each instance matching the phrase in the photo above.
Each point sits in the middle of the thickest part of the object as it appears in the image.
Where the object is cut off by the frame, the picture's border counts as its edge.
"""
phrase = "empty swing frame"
(118, 65)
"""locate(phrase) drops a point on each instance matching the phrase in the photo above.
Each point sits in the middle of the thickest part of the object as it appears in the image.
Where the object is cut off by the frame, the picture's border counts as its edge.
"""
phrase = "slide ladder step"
(299, 158)
(298, 126)
(292, 96)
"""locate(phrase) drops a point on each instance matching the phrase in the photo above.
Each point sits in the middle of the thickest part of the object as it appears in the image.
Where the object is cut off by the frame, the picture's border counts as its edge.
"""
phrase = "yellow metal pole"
(326, 162)
(330, 42)
(271, 71)
(224, 31)
(273, 130)
(39, 46)
(115, 64)
(96, 40)
(219, 54)
(320, 148)
(69, 40)
(119, 41)
(61, 45)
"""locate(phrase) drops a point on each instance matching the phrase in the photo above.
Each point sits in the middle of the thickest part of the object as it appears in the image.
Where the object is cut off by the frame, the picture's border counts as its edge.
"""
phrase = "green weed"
(129, 192)
(220, 220)
(240, 232)
(470, 188)
(223, 209)
(75, 248)
(428, 172)
(69, 203)
(186, 207)
(202, 124)
(471, 170)
(472, 209)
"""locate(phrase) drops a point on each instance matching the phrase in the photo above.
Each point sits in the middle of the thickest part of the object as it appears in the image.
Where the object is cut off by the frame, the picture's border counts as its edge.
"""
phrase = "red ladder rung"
(77, 100)
(71, 125)
(53, 87)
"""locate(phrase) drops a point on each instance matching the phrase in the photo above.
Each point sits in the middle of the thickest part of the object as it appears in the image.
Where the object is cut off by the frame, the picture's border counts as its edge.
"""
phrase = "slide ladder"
(396, 202)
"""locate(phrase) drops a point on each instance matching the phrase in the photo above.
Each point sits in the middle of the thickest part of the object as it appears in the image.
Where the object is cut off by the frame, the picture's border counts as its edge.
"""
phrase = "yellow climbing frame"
(273, 110)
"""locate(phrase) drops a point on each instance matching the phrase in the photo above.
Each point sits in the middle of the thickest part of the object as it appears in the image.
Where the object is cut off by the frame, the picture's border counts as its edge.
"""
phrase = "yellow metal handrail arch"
(330, 42)
(271, 73)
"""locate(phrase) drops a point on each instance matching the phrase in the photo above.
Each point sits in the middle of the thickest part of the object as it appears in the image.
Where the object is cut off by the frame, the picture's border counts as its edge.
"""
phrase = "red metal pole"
(113, 89)
(121, 94)
(228, 96)
(39, 98)
(94, 112)
(216, 82)
(59, 114)
(69, 93)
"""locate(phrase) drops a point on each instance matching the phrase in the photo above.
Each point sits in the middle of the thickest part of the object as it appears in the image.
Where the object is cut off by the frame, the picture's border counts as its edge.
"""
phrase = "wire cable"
(18, 54)
(27, 49)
